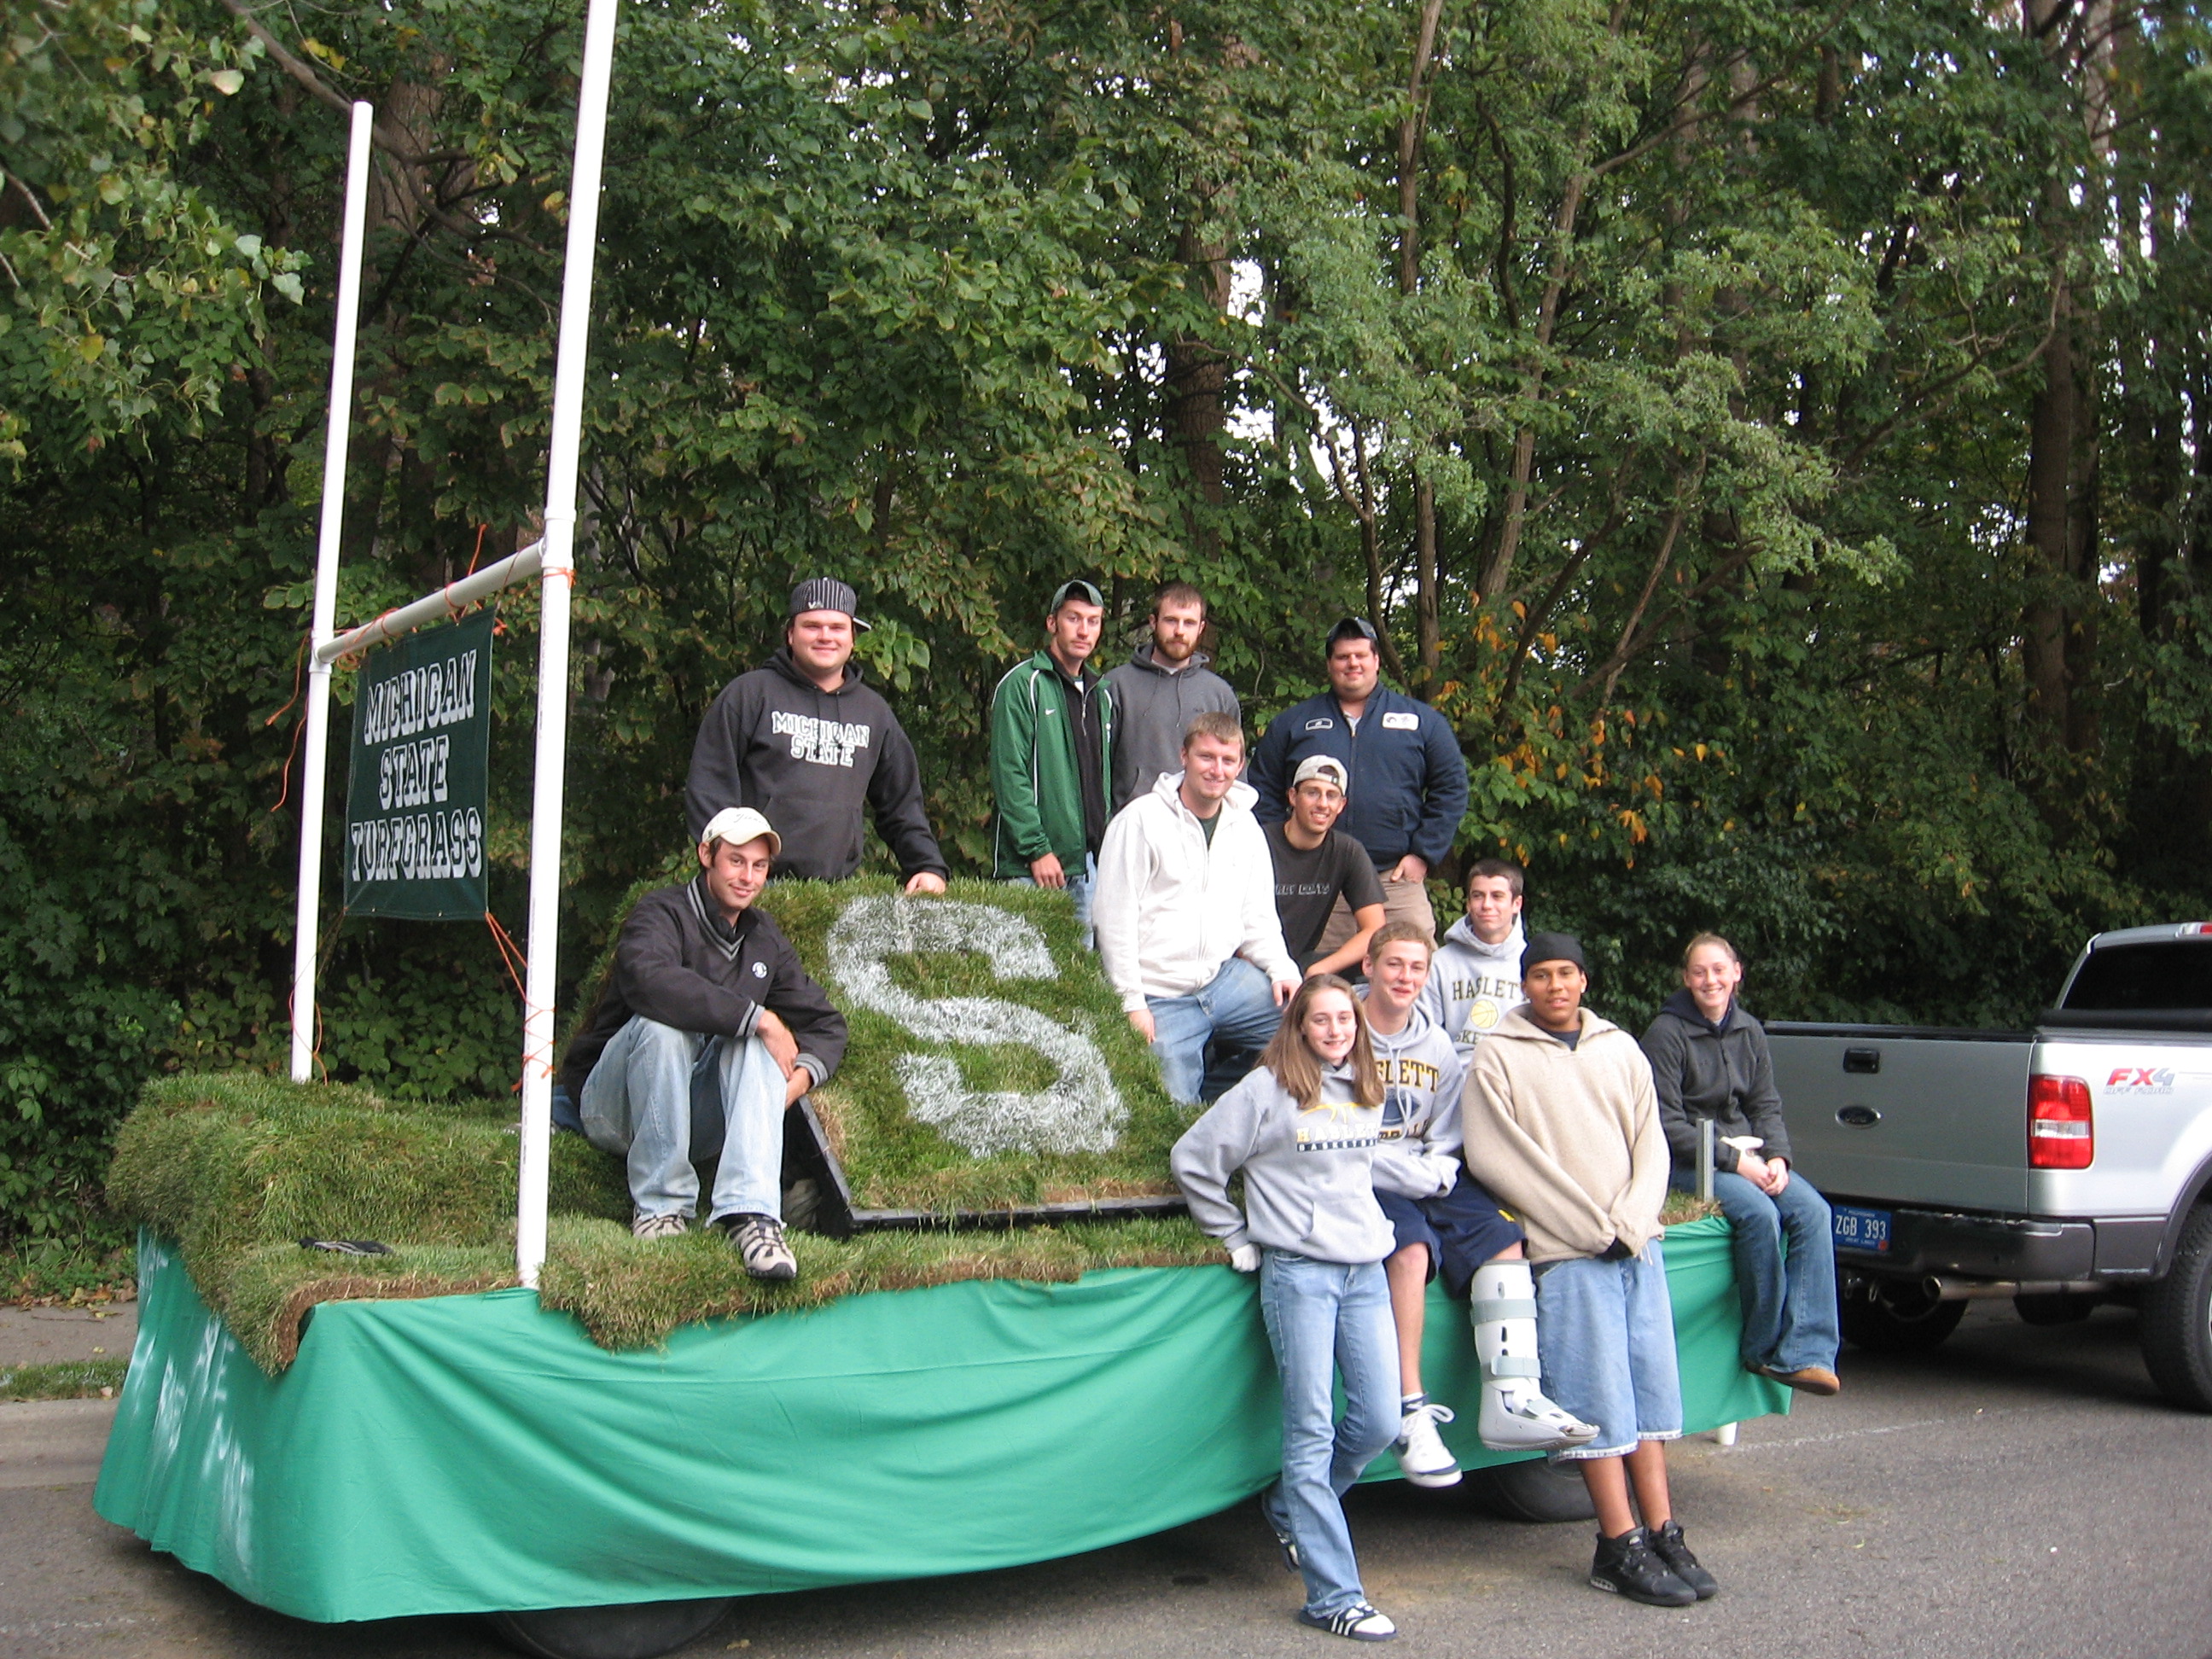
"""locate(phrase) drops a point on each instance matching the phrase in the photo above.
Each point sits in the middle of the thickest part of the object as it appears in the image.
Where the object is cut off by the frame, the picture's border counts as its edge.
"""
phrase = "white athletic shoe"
(671, 1226)
(1518, 1417)
(1421, 1452)
(1359, 1621)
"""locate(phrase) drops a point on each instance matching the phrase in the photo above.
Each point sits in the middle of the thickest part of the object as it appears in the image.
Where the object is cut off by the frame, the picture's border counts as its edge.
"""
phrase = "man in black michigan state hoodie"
(804, 742)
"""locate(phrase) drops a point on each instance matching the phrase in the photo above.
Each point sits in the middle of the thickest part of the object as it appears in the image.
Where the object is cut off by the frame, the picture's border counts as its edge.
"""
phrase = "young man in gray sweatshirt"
(1476, 976)
(1445, 1221)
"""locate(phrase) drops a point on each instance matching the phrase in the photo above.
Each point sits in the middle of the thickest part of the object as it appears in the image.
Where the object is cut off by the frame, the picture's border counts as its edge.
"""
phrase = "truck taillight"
(2061, 1124)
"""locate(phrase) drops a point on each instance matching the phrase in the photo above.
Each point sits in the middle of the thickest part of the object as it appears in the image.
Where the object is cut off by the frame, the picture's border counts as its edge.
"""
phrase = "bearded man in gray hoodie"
(1476, 976)
(1160, 690)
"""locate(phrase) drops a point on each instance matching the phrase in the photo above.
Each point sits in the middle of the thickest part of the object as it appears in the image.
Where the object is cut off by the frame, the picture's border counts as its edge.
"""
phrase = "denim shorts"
(1605, 1338)
(1462, 1228)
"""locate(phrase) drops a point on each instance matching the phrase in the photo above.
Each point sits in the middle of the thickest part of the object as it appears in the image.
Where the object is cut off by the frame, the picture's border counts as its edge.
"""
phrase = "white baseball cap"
(738, 825)
(1322, 766)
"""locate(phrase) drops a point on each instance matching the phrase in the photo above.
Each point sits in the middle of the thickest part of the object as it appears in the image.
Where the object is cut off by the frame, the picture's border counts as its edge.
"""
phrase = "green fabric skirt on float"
(473, 1454)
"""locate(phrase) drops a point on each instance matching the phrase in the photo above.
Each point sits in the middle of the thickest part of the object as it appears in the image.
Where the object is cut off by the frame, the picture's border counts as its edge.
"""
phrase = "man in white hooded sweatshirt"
(1476, 976)
(1185, 910)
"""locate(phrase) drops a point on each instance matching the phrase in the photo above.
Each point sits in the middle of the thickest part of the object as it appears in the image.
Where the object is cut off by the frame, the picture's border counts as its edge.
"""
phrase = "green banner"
(466, 1454)
(421, 751)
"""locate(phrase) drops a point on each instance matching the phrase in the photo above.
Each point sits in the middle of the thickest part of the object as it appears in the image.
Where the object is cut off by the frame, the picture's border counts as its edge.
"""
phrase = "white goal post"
(552, 560)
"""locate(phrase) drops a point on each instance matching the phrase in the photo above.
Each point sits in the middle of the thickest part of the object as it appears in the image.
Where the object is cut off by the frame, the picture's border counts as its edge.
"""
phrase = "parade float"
(406, 1358)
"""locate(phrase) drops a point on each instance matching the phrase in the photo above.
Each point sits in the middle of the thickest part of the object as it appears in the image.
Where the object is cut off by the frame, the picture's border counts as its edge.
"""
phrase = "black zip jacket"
(1727, 1077)
(807, 760)
(676, 963)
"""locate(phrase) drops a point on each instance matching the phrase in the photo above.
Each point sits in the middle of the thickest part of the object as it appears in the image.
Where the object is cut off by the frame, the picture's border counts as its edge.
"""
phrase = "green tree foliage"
(1771, 431)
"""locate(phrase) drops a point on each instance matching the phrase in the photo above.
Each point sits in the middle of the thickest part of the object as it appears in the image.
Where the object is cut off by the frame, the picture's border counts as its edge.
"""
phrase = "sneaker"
(1667, 1544)
(1359, 1621)
(1627, 1565)
(1421, 1452)
(760, 1242)
(671, 1226)
(1813, 1379)
(1284, 1541)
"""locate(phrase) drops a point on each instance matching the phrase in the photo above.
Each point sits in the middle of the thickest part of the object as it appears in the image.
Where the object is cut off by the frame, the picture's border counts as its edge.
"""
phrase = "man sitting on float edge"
(708, 1028)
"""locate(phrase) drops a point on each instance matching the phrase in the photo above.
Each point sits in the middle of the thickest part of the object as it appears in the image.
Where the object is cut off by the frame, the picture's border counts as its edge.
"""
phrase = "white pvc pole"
(315, 758)
(559, 566)
(444, 605)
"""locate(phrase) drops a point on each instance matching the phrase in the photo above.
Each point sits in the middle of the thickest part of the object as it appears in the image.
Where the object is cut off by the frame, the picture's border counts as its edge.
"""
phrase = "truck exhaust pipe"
(1941, 1288)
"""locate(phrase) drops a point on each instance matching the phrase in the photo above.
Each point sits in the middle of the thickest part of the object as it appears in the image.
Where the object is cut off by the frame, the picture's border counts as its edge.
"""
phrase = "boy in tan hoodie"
(1562, 1123)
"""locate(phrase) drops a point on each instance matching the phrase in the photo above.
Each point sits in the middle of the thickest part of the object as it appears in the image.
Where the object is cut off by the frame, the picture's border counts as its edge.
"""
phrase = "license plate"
(1862, 1230)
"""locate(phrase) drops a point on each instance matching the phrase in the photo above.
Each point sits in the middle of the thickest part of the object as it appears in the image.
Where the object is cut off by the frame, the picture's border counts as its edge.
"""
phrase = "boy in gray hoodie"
(1476, 976)
(1445, 1221)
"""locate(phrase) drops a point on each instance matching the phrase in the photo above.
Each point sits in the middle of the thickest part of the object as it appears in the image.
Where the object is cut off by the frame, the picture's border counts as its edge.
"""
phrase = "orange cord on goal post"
(517, 962)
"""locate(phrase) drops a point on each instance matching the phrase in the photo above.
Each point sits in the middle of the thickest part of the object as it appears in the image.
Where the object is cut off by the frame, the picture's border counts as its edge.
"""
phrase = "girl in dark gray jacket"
(1709, 1059)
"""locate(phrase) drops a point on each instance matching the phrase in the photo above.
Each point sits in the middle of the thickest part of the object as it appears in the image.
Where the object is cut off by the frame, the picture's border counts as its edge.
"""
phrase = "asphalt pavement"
(2021, 1492)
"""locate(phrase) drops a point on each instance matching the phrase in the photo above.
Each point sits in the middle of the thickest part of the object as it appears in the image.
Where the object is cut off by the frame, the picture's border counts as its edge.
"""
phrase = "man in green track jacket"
(1052, 755)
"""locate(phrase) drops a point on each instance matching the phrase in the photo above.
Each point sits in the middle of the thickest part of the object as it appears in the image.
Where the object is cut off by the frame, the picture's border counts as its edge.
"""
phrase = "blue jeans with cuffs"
(1790, 1321)
(1323, 1319)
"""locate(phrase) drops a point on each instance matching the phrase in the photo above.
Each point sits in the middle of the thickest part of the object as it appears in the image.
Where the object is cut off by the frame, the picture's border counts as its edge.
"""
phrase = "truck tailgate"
(1907, 1114)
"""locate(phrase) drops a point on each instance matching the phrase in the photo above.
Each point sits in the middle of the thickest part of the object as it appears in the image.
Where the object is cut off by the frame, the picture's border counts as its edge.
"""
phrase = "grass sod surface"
(894, 1160)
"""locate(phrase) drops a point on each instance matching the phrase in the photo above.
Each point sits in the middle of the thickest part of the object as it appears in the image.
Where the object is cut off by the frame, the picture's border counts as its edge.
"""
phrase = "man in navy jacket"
(1408, 779)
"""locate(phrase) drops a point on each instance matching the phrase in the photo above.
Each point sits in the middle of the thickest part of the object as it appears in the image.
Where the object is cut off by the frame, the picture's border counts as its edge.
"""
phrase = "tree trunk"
(2049, 478)
(1427, 573)
(1198, 380)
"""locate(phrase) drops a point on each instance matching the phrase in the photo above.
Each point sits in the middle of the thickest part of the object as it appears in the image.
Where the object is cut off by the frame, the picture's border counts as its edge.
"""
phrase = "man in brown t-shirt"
(1315, 865)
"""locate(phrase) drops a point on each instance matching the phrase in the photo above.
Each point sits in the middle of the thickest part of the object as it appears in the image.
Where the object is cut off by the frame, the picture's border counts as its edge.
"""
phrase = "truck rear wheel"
(2177, 1319)
(1894, 1317)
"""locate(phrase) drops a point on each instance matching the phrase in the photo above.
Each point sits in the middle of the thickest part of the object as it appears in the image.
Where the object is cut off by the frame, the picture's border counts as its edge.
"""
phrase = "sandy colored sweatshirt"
(1568, 1139)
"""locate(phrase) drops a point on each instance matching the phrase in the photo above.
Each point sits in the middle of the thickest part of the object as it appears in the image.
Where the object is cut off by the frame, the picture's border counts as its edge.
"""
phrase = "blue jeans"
(1789, 1319)
(1325, 1318)
(1604, 1340)
(1235, 1013)
(1080, 886)
(661, 1097)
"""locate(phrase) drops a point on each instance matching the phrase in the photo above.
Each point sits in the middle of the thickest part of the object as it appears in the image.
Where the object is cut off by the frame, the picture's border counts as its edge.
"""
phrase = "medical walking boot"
(1514, 1416)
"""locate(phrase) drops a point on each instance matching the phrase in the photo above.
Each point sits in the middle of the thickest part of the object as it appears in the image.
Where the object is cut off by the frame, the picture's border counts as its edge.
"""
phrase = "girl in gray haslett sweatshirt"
(1303, 1128)
(1309, 1185)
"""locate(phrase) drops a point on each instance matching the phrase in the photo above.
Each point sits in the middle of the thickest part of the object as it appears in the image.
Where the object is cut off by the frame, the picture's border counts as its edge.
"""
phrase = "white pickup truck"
(2062, 1167)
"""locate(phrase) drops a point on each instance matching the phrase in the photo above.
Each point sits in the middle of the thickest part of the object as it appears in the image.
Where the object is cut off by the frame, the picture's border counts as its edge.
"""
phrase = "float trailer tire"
(636, 1630)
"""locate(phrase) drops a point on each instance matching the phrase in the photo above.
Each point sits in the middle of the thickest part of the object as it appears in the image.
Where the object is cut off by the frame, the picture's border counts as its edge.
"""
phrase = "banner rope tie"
(292, 754)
